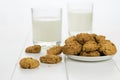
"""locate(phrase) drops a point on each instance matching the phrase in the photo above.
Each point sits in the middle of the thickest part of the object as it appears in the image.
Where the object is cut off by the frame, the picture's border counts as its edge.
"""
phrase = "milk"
(46, 30)
(79, 22)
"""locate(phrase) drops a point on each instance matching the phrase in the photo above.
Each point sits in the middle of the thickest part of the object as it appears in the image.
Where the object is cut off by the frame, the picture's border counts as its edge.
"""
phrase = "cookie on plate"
(70, 39)
(107, 47)
(84, 37)
(90, 46)
(72, 48)
(99, 38)
(90, 54)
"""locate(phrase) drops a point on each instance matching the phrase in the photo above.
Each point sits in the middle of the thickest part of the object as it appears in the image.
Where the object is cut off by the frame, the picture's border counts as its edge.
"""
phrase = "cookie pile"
(91, 45)
(83, 44)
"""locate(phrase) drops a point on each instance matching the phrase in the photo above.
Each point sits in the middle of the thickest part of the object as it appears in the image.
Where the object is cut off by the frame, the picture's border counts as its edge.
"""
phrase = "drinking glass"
(80, 17)
(46, 26)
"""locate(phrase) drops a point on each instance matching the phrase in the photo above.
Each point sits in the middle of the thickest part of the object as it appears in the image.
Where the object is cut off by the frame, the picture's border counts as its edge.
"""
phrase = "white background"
(15, 24)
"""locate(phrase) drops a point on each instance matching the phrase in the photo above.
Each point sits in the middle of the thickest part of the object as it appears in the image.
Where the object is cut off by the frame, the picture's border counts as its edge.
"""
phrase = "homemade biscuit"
(107, 47)
(50, 59)
(90, 54)
(84, 37)
(90, 46)
(70, 39)
(33, 49)
(55, 50)
(29, 63)
(99, 38)
(72, 48)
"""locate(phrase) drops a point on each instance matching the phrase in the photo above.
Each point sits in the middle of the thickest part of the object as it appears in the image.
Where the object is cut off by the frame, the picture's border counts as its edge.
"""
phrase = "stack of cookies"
(91, 45)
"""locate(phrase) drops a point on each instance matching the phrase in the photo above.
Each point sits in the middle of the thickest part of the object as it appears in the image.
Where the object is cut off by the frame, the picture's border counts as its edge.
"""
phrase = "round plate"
(83, 58)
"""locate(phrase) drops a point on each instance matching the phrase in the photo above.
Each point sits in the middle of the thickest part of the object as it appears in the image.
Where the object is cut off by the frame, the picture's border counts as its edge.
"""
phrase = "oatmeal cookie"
(90, 54)
(33, 49)
(50, 59)
(29, 63)
(107, 47)
(70, 39)
(72, 48)
(55, 50)
(90, 46)
(99, 38)
(93, 35)
(84, 37)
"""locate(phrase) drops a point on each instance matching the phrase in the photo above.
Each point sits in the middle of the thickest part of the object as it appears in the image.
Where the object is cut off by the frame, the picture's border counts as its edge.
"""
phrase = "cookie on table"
(33, 49)
(55, 50)
(50, 59)
(29, 63)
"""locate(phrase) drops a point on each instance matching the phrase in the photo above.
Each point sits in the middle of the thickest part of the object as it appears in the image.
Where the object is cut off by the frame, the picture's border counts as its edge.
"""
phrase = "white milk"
(79, 22)
(46, 30)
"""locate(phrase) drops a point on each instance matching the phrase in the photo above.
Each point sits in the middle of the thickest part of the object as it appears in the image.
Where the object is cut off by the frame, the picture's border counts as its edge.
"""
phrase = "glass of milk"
(79, 17)
(46, 26)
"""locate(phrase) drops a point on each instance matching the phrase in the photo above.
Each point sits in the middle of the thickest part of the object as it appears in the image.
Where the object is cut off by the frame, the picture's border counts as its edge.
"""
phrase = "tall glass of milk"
(80, 17)
(46, 26)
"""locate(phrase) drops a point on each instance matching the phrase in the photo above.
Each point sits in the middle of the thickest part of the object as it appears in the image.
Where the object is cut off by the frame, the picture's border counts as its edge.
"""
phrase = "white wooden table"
(15, 36)
(68, 69)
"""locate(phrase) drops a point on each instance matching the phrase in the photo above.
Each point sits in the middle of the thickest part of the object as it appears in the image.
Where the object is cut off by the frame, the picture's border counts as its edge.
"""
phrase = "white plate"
(83, 58)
